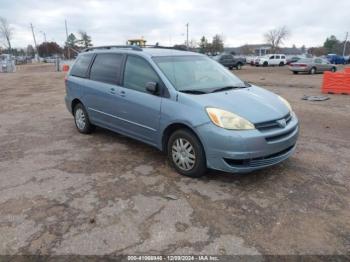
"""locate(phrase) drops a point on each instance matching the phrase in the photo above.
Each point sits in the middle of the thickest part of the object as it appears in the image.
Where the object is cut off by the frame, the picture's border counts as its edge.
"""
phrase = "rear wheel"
(281, 64)
(313, 71)
(186, 153)
(81, 120)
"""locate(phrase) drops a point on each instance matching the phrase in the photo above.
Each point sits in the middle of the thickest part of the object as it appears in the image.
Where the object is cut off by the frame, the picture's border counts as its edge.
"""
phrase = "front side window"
(272, 57)
(80, 67)
(195, 72)
(277, 57)
(106, 68)
(138, 73)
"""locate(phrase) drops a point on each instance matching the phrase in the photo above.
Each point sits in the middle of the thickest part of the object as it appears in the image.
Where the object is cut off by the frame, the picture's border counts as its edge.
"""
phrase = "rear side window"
(138, 73)
(81, 66)
(106, 68)
(283, 57)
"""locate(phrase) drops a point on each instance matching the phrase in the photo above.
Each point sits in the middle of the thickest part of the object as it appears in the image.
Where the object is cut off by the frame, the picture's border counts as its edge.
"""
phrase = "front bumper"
(246, 151)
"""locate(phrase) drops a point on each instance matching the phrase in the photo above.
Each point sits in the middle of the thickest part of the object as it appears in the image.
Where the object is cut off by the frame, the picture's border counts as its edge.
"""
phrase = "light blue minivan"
(183, 103)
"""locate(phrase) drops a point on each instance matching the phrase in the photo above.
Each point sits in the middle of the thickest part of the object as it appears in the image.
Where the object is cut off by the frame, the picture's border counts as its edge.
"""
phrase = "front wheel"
(81, 119)
(239, 66)
(333, 69)
(265, 64)
(295, 72)
(186, 154)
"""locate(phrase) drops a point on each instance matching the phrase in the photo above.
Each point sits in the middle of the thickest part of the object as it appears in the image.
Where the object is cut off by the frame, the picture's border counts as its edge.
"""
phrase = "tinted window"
(318, 61)
(277, 57)
(138, 73)
(283, 57)
(272, 57)
(106, 68)
(81, 66)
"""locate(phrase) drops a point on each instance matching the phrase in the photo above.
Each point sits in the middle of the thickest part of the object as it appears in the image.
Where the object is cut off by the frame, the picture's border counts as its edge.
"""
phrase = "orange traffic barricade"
(336, 83)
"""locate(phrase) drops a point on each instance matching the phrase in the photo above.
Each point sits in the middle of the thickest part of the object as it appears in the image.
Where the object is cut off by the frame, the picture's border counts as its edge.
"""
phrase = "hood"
(254, 103)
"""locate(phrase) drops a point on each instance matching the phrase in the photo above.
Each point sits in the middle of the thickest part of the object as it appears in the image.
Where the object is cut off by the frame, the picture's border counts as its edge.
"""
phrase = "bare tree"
(275, 37)
(6, 32)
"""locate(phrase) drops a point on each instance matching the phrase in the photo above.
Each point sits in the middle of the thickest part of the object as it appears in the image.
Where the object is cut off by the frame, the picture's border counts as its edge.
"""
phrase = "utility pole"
(187, 44)
(36, 46)
(68, 50)
(45, 42)
(346, 39)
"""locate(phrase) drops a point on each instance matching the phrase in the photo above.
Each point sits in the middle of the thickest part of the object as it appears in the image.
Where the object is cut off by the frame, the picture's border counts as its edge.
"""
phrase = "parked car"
(293, 59)
(250, 59)
(312, 66)
(347, 59)
(336, 59)
(271, 60)
(230, 61)
(184, 104)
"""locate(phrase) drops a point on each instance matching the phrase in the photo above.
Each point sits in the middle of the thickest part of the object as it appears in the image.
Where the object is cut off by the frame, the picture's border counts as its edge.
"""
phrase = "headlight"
(286, 103)
(228, 120)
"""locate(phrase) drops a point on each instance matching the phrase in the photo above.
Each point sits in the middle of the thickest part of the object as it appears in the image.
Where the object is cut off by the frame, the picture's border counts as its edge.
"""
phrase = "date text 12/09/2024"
(173, 258)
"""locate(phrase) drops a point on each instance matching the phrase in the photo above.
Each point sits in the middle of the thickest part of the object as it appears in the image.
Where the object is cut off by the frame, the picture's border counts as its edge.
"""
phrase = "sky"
(238, 22)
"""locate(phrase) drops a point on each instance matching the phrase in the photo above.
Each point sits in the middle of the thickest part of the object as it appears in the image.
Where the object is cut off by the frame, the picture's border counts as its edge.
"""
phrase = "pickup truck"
(230, 61)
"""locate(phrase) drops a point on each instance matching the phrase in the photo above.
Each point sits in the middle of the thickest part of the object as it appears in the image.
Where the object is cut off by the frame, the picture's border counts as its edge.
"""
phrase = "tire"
(239, 66)
(333, 69)
(230, 67)
(265, 64)
(81, 120)
(281, 64)
(295, 72)
(313, 71)
(186, 154)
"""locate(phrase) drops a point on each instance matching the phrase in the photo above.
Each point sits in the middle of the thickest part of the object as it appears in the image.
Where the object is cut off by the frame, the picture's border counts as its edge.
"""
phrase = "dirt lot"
(62, 192)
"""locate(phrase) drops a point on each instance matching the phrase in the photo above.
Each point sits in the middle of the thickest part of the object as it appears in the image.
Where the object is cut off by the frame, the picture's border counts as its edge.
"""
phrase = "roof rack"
(133, 47)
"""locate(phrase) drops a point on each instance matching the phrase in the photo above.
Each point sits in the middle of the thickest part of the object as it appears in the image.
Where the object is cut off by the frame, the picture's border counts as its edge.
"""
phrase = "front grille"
(259, 161)
(265, 126)
(278, 137)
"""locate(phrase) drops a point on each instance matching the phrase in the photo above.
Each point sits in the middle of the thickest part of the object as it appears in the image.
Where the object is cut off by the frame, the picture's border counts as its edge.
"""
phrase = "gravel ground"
(66, 193)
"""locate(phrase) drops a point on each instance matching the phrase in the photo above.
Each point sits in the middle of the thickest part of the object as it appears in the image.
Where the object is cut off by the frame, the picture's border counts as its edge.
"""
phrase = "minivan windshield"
(197, 73)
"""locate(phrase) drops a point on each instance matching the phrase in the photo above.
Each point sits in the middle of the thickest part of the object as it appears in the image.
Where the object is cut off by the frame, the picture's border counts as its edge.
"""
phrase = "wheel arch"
(171, 128)
(74, 103)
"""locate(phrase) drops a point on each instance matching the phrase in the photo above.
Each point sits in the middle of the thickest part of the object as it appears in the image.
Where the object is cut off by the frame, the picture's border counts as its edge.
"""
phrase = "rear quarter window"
(106, 68)
(81, 66)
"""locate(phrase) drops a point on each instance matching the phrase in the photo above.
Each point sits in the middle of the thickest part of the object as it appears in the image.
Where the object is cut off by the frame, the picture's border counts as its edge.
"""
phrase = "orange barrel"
(65, 68)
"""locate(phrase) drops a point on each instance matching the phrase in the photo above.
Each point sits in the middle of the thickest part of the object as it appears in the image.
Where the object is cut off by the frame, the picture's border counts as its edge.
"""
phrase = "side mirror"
(152, 87)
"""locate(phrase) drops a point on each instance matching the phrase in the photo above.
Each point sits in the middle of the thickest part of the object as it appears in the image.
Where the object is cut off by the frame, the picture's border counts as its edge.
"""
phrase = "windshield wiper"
(225, 88)
(193, 91)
